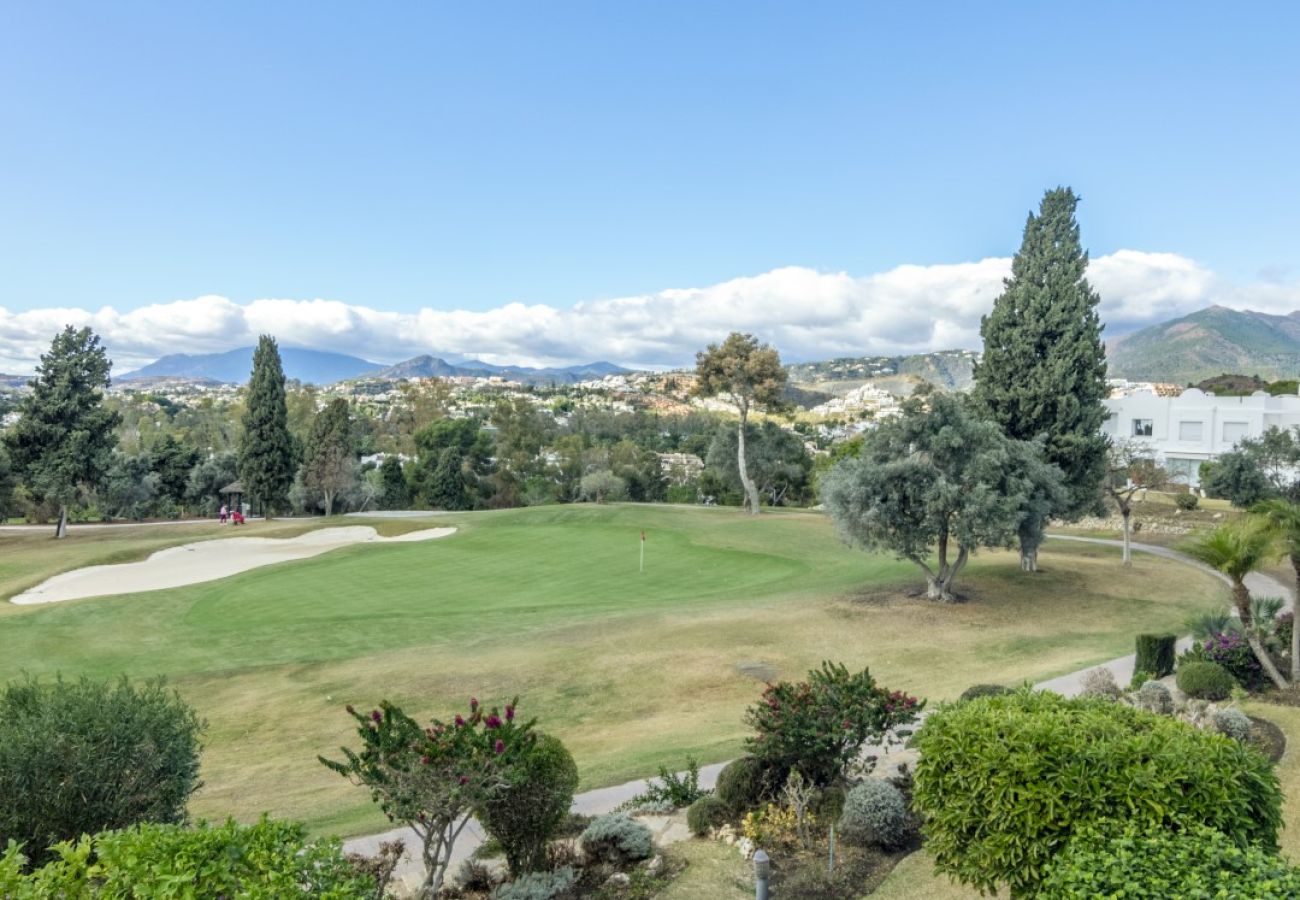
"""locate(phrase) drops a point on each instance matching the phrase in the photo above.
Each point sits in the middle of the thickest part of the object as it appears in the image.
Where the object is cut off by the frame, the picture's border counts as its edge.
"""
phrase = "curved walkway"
(604, 800)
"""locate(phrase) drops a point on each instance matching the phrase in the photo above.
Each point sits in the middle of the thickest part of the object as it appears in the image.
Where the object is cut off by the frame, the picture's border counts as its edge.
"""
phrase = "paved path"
(605, 800)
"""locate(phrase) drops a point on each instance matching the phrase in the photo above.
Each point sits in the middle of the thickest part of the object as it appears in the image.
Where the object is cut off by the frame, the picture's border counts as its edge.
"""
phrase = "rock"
(618, 880)
(655, 866)
(746, 847)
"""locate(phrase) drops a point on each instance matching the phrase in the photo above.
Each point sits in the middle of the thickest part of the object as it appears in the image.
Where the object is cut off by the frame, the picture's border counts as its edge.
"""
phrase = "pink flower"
(460, 721)
(464, 779)
(510, 713)
(377, 716)
(500, 747)
(493, 721)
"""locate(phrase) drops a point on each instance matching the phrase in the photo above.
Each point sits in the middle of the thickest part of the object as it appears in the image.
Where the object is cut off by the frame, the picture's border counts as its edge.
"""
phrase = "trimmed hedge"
(874, 813)
(1205, 681)
(1004, 782)
(1120, 861)
(705, 814)
(742, 784)
(984, 690)
(1155, 654)
(525, 816)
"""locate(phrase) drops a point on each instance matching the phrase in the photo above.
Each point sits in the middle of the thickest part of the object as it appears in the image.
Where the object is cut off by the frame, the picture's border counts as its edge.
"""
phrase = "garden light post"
(762, 869)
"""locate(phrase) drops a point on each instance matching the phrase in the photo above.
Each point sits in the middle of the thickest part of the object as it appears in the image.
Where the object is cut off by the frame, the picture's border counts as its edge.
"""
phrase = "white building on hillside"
(1187, 430)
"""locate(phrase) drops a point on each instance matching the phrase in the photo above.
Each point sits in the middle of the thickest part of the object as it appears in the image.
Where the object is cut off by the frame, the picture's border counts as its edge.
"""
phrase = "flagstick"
(641, 568)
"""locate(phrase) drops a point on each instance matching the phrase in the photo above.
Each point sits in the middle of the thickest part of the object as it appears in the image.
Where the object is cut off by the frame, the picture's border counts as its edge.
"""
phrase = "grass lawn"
(631, 670)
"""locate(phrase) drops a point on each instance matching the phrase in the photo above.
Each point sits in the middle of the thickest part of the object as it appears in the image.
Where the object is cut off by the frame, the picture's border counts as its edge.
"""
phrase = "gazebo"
(232, 495)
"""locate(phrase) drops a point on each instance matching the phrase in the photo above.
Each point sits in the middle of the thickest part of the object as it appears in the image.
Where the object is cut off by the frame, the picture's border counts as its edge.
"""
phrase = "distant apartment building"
(1193, 427)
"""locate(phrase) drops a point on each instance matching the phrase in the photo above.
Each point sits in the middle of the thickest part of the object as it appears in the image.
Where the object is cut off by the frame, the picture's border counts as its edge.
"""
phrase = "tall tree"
(266, 452)
(933, 486)
(63, 441)
(396, 494)
(749, 373)
(172, 462)
(329, 461)
(1043, 372)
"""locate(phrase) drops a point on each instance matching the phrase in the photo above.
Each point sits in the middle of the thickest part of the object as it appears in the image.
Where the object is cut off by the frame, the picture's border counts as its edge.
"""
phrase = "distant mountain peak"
(1207, 343)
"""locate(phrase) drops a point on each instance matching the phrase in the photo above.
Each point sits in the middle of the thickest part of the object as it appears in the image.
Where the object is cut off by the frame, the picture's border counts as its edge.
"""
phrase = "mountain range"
(323, 367)
(1209, 342)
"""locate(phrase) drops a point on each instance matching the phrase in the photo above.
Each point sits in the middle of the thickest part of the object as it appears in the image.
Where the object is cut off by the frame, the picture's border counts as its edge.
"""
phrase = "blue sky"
(407, 157)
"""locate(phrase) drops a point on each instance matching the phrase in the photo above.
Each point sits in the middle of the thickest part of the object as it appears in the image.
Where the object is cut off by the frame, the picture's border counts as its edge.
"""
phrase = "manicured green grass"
(632, 670)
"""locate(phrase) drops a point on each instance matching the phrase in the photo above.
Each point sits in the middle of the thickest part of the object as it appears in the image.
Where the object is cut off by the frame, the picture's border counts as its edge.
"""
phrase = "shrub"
(1205, 681)
(81, 757)
(1140, 677)
(1155, 654)
(819, 726)
(672, 791)
(874, 813)
(538, 885)
(1186, 502)
(1230, 650)
(525, 815)
(1207, 624)
(989, 772)
(984, 690)
(828, 804)
(1100, 682)
(269, 859)
(706, 814)
(1117, 861)
(617, 839)
(775, 825)
(742, 784)
(1154, 697)
(1232, 722)
(1282, 629)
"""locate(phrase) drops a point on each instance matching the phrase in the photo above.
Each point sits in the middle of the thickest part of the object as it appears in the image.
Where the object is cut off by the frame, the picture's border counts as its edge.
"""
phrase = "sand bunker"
(207, 561)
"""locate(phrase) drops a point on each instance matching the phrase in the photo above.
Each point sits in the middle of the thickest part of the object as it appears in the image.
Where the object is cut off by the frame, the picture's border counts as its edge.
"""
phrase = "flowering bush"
(1230, 650)
(774, 825)
(819, 726)
(434, 779)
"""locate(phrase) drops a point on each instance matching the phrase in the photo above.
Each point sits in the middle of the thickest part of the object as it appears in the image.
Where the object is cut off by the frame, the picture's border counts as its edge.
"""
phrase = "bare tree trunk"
(1295, 626)
(751, 492)
(1128, 534)
(1028, 558)
(1241, 599)
(329, 502)
(61, 529)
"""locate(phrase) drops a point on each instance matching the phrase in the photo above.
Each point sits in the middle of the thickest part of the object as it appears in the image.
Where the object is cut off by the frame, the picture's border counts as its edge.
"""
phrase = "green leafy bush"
(984, 690)
(525, 814)
(86, 756)
(269, 859)
(617, 839)
(706, 814)
(671, 791)
(1186, 502)
(874, 813)
(1117, 861)
(1155, 654)
(1205, 681)
(819, 726)
(538, 885)
(742, 784)
(1003, 782)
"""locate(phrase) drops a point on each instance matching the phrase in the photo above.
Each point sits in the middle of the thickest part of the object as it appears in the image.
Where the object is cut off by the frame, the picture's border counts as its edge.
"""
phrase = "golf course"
(632, 669)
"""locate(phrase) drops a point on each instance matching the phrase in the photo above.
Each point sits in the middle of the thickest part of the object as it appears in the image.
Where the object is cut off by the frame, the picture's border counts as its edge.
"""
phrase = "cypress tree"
(329, 459)
(1043, 373)
(266, 452)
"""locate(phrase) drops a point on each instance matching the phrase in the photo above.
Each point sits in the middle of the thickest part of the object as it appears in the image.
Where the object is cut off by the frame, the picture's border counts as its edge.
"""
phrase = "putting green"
(632, 669)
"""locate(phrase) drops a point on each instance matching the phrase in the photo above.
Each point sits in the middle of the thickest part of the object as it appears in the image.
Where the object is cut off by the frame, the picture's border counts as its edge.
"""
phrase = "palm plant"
(1211, 622)
(1237, 550)
(1282, 519)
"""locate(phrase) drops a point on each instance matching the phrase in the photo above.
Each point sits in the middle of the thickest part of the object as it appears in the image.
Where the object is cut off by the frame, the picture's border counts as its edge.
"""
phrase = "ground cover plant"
(547, 602)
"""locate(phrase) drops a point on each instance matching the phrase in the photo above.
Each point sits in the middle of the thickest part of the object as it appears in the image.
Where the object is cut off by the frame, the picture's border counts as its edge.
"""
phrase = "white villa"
(1187, 430)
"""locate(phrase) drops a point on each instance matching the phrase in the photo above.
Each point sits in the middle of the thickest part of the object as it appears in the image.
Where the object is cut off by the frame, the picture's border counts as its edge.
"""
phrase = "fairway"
(630, 669)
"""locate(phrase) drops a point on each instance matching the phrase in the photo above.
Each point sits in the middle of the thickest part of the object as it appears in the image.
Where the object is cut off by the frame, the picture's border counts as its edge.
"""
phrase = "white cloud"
(805, 313)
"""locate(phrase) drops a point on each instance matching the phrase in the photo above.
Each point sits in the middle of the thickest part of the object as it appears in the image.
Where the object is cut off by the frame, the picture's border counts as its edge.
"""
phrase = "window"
(1191, 431)
(1142, 428)
(1235, 431)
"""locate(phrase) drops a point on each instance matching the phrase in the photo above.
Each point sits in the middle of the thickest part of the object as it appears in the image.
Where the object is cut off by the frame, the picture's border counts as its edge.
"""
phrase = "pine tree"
(329, 464)
(266, 451)
(1043, 373)
(63, 441)
(396, 493)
